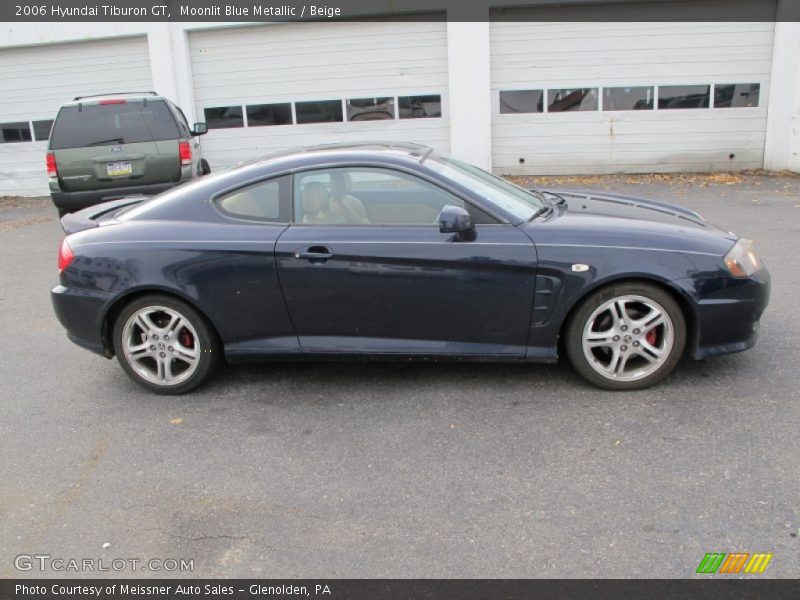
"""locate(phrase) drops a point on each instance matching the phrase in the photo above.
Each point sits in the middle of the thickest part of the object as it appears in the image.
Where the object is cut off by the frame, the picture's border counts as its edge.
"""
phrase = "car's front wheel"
(626, 336)
(165, 344)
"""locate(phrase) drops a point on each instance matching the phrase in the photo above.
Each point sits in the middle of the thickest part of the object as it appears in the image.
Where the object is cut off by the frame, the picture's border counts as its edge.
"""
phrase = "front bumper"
(81, 314)
(727, 312)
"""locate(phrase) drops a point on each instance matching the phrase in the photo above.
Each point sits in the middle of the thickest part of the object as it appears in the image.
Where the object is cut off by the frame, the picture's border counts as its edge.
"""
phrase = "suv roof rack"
(113, 94)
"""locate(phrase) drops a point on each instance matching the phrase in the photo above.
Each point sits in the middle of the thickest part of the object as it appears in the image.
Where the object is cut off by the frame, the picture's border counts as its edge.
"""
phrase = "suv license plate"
(119, 168)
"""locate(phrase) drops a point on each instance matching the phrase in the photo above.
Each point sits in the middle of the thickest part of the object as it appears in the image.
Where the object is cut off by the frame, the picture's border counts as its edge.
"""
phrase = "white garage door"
(36, 80)
(604, 97)
(267, 88)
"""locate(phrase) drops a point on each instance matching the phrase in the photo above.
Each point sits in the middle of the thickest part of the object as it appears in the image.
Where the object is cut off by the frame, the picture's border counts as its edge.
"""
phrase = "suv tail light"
(185, 152)
(112, 101)
(52, 170)
(65, 255)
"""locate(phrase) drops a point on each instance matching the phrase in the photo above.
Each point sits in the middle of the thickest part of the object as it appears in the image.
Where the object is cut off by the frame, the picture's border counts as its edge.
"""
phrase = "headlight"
(741, 260)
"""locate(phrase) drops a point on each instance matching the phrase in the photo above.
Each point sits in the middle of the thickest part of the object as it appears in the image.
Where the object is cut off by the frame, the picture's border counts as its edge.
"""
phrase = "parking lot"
(406, 470)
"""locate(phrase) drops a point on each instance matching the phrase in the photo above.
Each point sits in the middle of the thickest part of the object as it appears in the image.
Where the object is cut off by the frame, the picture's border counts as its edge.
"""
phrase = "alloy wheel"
(628, 338)
(161, 345)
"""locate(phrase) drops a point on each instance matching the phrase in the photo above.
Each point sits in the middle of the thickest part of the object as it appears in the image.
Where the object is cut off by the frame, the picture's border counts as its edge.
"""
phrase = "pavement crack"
(201, 537)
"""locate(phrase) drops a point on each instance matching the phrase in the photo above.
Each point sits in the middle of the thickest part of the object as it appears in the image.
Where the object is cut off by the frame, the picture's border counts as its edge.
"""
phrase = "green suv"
(111, 146)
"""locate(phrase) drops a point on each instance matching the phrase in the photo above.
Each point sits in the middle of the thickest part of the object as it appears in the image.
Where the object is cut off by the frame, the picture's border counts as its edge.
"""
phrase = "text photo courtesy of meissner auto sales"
(384, 300)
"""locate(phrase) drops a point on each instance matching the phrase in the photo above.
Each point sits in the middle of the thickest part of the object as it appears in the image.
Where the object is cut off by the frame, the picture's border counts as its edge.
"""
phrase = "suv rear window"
(125, 123)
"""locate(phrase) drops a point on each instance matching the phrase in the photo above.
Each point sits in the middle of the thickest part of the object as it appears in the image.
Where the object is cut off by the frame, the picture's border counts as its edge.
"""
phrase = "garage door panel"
(341, 62)
(404, 45)
(21, 169)
(318, 61)
(543, 40)
(230, 148)
(256, 38)
(605, 162)
(555, 129)
(541, 55)
(290, 135)
(323, 85)
(625, 59)
(750, 140)
(592, 73)
(653, 31)
(38, 79)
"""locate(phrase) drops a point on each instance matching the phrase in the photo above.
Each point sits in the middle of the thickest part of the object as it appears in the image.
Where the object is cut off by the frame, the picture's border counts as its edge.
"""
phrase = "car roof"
(344, 152)
(97, 98)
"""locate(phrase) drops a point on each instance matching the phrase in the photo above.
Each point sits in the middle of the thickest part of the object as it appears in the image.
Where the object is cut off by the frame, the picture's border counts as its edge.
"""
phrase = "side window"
(367, 196)
(182, 122)
(264, 201)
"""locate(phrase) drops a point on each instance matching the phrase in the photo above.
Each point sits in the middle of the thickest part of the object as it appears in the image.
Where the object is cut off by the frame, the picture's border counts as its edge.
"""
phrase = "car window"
(113, 123)
(264, 201)
(505, 195)
(183, 123)
(368, 196)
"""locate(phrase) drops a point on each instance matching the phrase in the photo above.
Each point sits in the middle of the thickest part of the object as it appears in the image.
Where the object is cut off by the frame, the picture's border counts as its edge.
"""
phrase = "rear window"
(100, 124)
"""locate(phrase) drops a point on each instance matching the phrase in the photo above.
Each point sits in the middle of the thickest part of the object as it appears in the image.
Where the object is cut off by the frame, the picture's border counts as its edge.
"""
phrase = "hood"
(597, 218)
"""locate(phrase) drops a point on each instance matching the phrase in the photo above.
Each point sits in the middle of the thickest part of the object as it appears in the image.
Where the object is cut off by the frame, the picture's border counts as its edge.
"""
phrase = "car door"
(364, 268)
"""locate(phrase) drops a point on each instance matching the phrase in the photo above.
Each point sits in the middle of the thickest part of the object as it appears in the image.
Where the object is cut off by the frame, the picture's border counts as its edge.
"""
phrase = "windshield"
(511, 198)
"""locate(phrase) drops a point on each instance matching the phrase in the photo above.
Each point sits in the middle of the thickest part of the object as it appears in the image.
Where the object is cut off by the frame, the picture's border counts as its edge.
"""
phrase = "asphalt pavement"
(404, 470)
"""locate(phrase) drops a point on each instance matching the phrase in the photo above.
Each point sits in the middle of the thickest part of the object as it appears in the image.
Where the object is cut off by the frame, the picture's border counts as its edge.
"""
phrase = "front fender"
(559, 287)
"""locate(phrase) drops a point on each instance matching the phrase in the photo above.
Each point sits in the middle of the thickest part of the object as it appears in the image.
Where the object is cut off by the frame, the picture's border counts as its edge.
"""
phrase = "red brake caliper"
(650, 336)
(187, 341)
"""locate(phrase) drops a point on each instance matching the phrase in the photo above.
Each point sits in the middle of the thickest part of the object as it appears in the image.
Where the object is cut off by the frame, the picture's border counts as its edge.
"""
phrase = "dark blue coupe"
(396, 251)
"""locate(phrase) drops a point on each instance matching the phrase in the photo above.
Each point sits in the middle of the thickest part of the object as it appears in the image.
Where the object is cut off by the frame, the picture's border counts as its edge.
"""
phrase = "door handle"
(314, 253)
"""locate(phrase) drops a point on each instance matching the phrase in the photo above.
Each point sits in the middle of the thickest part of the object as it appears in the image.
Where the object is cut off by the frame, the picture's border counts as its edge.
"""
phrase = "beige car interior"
(254, 201)
(316, 205)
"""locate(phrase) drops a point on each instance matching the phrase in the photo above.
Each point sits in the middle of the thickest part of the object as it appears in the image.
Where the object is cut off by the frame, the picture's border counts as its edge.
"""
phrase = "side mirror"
(454, 219)
(200, 129)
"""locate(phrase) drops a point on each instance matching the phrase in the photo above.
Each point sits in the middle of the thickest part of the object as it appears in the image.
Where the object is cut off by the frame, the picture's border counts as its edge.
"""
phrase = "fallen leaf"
(176, 421)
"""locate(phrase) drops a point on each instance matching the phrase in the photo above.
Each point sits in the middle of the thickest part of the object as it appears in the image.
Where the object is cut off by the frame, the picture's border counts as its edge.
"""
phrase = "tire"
(62, 212)
(627, 336)
(165, 345)
(205, 168)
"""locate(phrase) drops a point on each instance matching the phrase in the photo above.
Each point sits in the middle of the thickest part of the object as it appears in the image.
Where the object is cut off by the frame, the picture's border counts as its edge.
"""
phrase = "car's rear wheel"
(626, 336)
(165, 344)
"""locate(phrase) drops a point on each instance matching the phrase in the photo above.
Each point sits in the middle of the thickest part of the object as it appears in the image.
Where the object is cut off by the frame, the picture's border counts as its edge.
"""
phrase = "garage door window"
(323, 111)
(521, 101)
(419, 107)
(15, 132)
(582, 99)
(224, 117)
(683, 96)
(370, 109)
(736, 95)
(259, 115)
(41, 129)
(628, 98)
